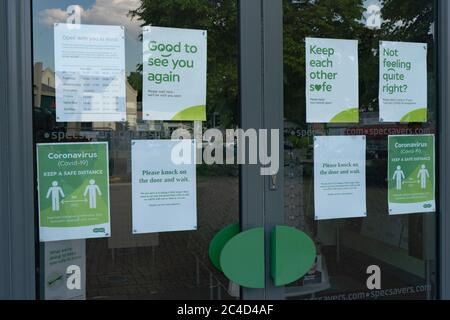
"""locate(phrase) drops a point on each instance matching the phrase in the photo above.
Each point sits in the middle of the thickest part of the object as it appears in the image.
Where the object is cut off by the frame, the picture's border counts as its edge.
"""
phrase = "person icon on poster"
(55, 191)
(423, 175)
(399, 176)
(92, 189)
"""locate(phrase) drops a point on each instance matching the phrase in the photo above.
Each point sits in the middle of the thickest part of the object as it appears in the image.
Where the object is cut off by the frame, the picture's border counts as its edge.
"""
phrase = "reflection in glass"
(151, 266)
(403, 246)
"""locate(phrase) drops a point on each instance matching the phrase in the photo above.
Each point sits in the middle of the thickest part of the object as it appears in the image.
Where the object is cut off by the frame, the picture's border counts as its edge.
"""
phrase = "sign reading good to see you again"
(174, 74)
(403, 82)
(332, 92)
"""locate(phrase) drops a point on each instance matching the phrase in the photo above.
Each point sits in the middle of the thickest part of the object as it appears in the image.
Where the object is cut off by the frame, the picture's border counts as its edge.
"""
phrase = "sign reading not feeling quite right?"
(403, 82)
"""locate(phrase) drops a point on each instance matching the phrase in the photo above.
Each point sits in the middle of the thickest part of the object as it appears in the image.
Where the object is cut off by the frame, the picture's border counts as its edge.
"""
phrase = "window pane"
(171, 265)
(402, 246)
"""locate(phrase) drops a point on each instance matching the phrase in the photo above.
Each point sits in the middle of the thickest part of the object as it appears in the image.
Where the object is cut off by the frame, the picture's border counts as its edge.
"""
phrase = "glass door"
(127, 264)
(367, 246)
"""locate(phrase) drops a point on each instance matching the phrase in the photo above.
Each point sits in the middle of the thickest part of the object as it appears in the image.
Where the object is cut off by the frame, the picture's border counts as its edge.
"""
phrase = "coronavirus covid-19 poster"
(73, 185)
(411, 174)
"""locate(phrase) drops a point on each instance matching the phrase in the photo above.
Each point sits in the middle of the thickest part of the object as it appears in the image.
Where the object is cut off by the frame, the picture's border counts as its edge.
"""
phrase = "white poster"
(403, 82)
(174, 74)
(332, 91)
(340, 177)
(90, 73)
(65, 270)
(164, 186)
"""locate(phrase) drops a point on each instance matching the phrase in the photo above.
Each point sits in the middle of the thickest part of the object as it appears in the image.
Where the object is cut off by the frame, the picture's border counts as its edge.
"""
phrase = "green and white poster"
(175, 67)
(73, 188)
(411, 174)
(332, 91)
(403, 82)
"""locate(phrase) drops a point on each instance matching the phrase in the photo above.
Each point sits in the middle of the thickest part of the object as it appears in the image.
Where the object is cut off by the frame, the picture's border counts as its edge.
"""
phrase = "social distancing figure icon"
(423, 175)
(55, 191)
(92, 190)
(399, 176)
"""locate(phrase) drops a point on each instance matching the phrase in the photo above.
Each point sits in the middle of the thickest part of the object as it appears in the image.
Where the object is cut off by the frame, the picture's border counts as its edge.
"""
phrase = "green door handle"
(241, 255)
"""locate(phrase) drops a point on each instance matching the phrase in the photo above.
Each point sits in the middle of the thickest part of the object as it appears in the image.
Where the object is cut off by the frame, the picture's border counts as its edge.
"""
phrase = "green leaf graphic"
(347, 116)
(419, 115)
(196, 113)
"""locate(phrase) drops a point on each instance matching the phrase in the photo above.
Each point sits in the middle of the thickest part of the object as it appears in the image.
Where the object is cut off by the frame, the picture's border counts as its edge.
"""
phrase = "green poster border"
(107, 176)
(433, 136)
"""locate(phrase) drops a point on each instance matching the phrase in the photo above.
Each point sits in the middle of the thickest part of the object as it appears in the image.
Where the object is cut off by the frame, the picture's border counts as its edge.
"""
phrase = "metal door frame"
(17, 221)
(261, 89)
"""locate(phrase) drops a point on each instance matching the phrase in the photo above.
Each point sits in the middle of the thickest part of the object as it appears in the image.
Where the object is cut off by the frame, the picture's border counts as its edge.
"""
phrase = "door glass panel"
(172, 265)
(403, 246)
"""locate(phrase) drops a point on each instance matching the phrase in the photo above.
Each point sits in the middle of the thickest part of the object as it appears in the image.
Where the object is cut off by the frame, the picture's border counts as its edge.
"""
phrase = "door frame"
(17, 218)
(443, 138)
